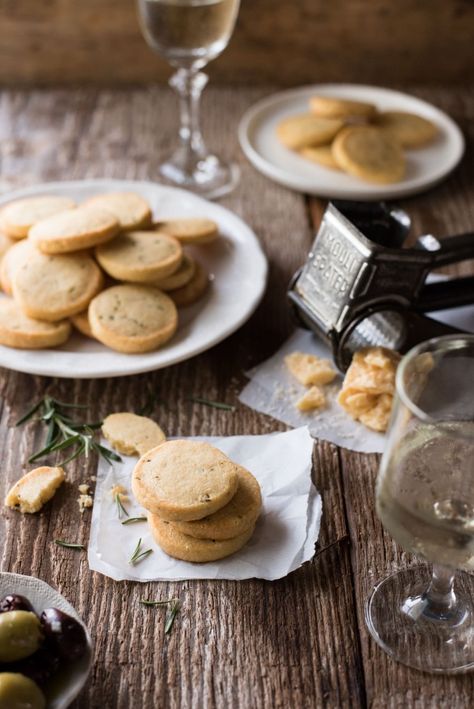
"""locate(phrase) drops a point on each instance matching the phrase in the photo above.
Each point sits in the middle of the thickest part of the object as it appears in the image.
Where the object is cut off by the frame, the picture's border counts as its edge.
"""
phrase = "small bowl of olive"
(45, 648)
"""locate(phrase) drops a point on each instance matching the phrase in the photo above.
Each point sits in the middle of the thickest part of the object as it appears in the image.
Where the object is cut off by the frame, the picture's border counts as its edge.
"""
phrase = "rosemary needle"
(159, 603)
(213, 404)
(69, 545)
(170, 617)
(120, 508)
(138, 555)
(134, 520)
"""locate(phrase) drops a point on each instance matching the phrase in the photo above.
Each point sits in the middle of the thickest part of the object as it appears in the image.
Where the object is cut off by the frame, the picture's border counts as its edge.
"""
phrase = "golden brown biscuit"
(182, 546)
(129, 208)
(133, 318)
(322, 155)
(235, 518)
(332, 107)
(17, 218)
(190, 231)
(5, 244)
(56, 287)
(184, 480)
(82, 324)
(369, 153)
(192, 291)
(408, 129)
(181, 277)
(34, 489)
(141, 256)
(18, 330)
(297, 132)
(12, 259)
(74, 230)
(131, 434)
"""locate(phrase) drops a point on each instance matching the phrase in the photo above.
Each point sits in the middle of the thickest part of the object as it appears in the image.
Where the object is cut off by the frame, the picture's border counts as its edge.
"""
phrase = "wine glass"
(189, 34)
(425, 500)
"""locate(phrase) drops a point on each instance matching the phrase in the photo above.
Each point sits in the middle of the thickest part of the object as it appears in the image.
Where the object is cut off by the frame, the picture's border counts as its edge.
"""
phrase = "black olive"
(15, 602)
(39, 667)
(64, 634)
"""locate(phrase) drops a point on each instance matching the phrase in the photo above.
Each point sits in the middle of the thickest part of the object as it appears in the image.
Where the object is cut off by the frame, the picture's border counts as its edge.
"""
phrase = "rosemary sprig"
(65, 434)
(69, 545)
(173, 606)
(134, 520)
(139, 554)
(213, 404)
(166, 602)
(120, 508)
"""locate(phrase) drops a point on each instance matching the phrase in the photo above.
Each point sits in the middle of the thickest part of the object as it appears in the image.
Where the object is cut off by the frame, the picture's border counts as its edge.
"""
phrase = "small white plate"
(425, 167)
(236, 263)
(68, 683)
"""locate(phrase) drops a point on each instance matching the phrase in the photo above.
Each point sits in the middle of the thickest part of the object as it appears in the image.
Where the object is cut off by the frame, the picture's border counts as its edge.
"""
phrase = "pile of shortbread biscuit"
(201, 505)
(102, 266)
(353, 136)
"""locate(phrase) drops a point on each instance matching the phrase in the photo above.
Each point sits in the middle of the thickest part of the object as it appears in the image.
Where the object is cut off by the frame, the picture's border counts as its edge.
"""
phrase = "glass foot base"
(402, 622)
(208, 177)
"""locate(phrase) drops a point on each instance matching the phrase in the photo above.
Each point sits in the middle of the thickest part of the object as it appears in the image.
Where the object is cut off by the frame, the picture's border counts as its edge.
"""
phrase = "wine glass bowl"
(425, 500)
(189, 34)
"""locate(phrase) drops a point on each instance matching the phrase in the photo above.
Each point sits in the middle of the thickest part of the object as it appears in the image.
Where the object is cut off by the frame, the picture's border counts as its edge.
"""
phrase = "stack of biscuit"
(355, 137)
(201, 505)
(104, 267)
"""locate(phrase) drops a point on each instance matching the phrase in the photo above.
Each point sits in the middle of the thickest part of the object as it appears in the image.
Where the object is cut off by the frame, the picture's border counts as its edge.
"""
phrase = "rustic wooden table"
(298, 642)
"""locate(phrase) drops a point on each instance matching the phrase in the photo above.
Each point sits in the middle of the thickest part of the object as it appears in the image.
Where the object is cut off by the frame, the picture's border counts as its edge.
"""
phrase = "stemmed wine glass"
(425, 500)
(189, 34)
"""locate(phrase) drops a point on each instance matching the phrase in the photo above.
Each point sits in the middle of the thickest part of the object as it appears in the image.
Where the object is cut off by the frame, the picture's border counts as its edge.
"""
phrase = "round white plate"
(236, 263)
(425, 167)
(65, 687)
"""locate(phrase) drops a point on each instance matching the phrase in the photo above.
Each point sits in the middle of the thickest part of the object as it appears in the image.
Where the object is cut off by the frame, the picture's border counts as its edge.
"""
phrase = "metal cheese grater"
(359, 287)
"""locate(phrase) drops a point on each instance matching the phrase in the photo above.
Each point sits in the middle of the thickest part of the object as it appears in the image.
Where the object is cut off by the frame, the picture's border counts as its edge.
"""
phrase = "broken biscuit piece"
(34, 489)
(312, 399)
(309, 369)
(131, 434)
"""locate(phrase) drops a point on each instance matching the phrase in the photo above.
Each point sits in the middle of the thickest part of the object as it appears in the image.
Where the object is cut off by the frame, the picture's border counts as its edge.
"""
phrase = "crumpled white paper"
(284, 538)
(274, 391)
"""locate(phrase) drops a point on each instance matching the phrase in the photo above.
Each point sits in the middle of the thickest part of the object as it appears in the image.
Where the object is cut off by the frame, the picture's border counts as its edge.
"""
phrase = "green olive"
(20, 692)
(20, 635)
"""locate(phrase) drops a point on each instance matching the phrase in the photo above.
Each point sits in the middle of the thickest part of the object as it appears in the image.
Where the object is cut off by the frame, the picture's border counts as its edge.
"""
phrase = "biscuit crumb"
(85, 502)
(119, 491)
(84, 488)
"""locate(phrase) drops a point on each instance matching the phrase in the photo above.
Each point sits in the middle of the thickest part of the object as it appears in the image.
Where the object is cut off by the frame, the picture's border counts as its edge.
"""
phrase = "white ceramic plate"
(426, 166)
(68, 683)
(236, 262)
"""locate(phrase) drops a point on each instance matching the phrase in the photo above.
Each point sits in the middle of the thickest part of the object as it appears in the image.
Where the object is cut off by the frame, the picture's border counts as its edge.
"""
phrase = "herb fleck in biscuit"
(192, 291)
(232, 520)
(184, 480)
(182, 546)
(140, 256)
(307, 129)
(55, 287)
(73, 230)
(17, 218)
(34, 489)
(408, 129)
(332, 107)
(131, 434)
(191, 230)
(369, 153)
(129, 208)
(18, 330)
(133, 318)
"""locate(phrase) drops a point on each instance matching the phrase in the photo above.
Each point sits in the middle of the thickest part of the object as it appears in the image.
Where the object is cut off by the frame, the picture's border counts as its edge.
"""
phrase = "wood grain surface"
(307, 41)
(298, 642)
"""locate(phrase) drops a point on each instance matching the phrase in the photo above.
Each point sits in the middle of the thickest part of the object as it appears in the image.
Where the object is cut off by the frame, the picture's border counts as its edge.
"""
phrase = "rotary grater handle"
(454, 249)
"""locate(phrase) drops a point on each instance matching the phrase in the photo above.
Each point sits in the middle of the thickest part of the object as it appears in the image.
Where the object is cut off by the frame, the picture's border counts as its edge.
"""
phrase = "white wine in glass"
(189, 34)
(425, 500)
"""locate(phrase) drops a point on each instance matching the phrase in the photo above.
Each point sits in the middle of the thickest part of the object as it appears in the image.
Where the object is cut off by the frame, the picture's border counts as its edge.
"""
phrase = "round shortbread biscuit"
(133, 318)
(131, 434)
(410, 130)
(370, 154)
(82, 324)
(129, 208)
(74, 230)
(17, 218)
(5, 244)
(56, 287)
(184, 480)
(232, 520)
(192, 291)
(306, 129)
(181, 546)
(140, 256)
(10, 262)
(190, 231)
(322, 155)
(181, 277)
(18, 330)
(332, 107)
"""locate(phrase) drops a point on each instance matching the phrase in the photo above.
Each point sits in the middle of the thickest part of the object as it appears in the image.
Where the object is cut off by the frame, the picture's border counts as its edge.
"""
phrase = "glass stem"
(440, 598)
(188, 84)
